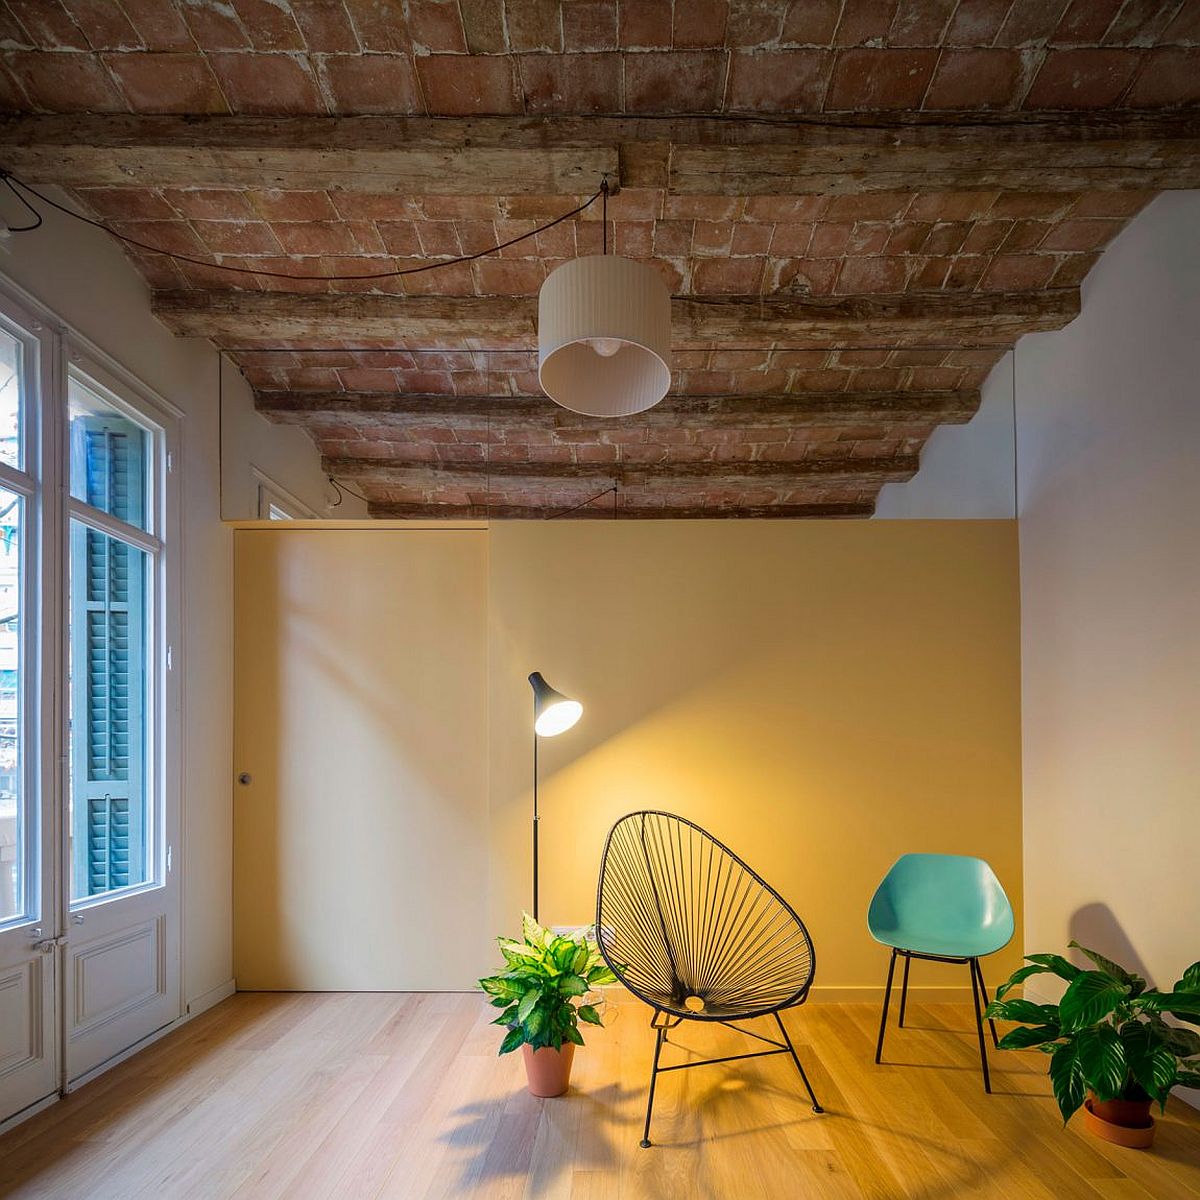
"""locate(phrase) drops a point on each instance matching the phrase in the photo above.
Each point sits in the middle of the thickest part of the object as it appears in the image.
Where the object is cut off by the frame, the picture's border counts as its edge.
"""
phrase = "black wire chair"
(690, 929)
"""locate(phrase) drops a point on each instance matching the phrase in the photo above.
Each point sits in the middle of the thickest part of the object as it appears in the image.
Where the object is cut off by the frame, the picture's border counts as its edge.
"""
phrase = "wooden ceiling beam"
(740, 154)
(804, 472)
(510, 413)
(946, 319)
(602, 511)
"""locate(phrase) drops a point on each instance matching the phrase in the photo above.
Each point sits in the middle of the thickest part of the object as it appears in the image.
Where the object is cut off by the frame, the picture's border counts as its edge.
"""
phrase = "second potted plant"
(1111, 1052)
(544, 992)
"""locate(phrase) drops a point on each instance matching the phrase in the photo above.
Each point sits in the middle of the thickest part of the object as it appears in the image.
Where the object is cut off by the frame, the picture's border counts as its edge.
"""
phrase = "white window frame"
(273, 498)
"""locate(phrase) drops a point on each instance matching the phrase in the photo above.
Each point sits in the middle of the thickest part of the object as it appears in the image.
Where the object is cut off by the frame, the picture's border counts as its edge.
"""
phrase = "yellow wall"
(822, 696)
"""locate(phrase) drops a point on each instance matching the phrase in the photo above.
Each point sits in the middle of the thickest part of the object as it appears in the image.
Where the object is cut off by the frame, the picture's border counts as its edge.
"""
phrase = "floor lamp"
(553, 714)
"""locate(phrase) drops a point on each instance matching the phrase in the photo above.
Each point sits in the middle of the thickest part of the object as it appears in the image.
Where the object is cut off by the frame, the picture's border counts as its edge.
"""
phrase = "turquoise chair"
(941, 908)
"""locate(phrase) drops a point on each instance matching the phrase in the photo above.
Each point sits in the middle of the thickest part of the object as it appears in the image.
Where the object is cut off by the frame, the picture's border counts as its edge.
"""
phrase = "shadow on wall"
(1096, 927)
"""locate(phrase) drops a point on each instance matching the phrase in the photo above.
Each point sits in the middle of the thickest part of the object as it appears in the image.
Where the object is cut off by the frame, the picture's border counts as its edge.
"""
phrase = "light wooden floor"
(402, 1095)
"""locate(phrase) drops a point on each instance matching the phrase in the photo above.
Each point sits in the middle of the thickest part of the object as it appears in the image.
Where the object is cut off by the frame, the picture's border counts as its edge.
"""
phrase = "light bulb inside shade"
(606, 347)
(557, 718)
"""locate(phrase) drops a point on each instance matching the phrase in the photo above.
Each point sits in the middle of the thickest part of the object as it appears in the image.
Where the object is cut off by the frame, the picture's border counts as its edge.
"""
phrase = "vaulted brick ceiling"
(859, 205)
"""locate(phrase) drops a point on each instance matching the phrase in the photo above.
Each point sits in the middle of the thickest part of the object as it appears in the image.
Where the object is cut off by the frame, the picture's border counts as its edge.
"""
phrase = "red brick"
(277, 205)
(1032, 204)
(1081, 235)
(367, 379)
(1169, 75)
(508, 276)
(986, 236)
(929, 275)
(237, 237)
(1142, 22)
(1030, 22)
(217, 204)
(104, 24)
(1111, 204)
(325, 25)
(753, 22)
(811, 22)
(645, 25)
(589, 25)
(699, 24)
(166, 83)
(1023, 236)
(965, 273)
(920, 22)
(1084, 22)
(175, 237)
(946, 238)
(215, 27)
(864, 21)
(752, 239)
(267, 83)
(868, 237)
(949, 206)
(558, 242)
(63, 82)
(908, 237)
(439, 239)
(711, 237)
(975, 79)
(682, 81)
(1082, 79)
(48, 24)
(314, 237)
(373, 83)
(533, 24)
(474, 236)
(1185, 28)
(634, 239)
(457, 85)
(1073, 269)
(778, 81)
(571, 83)
(271, 26)
(372, 206)
(976, 22)
(830, 238)
(436, 26)
(1017, 272)
(879, 79)
(785, 208)
(705, 208)
(868, 206)
(728, 276)
(127, 203)
(380, 24)
(790, 240)
(872, 275)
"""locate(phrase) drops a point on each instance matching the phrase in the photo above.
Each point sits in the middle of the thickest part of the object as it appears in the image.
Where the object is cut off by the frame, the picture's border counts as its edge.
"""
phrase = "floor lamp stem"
(535, 827)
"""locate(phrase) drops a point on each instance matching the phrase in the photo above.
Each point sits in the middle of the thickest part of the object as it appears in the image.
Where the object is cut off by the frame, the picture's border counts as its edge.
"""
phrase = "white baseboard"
(874, 995)
(213, 996)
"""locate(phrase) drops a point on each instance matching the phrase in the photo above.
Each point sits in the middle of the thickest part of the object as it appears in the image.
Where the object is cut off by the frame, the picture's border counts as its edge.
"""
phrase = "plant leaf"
(1019, 976)
(1183, 1043)
(572, 1034)
(1179, 1004)
(1025, 1011)
(1067, 1080)
(1089, 998)
(572, 985)
(1190, 980)
(1062, 967)
(1188, 1079)
(512, 1040)
(1106, 965)
(528, 1000)
(1029, 1035)
(588, 1013)
(1101, 1056)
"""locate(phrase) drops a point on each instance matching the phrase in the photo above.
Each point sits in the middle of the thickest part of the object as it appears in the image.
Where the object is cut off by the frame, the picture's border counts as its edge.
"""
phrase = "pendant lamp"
(604, 334)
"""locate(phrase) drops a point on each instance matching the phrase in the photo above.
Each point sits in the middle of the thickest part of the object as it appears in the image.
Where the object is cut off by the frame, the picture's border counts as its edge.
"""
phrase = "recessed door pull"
(244, 779)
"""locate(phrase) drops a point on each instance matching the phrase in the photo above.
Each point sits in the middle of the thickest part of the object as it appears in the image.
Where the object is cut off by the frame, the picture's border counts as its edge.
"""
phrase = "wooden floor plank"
(318, 1097)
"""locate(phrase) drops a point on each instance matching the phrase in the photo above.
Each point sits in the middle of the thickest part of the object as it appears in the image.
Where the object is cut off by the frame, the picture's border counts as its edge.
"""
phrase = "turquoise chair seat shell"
(950, 905)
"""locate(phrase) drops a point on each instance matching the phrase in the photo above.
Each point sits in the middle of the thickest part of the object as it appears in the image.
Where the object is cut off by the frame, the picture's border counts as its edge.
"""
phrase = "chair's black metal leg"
(986, 1002)
(904, 989)
(987, 1080)
(816, 1104)
(887, 996)
(653, 1080)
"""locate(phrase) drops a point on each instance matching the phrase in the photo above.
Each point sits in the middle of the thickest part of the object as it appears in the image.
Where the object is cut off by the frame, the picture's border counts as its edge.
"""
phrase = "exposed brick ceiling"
(888, 286)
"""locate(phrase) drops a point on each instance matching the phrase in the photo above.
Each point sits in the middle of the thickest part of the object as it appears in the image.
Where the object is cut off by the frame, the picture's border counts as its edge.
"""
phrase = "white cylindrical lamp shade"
(604, 336)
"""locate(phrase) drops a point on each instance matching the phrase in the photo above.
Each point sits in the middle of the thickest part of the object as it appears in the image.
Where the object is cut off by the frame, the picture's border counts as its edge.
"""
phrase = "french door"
(89, 898)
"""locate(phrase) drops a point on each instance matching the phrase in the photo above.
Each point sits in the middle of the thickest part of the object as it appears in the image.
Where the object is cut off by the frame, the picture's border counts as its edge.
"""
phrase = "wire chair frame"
(698, 935)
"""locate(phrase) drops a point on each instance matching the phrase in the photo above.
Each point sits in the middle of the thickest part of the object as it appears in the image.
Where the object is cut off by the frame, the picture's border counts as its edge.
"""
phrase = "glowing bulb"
(606, 347)
(558, 718)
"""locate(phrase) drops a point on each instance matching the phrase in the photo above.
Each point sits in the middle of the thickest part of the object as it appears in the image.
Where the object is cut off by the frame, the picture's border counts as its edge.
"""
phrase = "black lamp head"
(553, 713)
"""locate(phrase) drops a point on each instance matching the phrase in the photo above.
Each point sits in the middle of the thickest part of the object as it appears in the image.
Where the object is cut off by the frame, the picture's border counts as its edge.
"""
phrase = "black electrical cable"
(13, 183)
(566, 512)
(343, 491)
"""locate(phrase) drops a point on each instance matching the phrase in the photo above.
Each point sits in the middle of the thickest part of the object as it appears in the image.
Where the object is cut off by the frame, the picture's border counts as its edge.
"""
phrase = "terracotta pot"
(549, 1070)
(1125, 1123)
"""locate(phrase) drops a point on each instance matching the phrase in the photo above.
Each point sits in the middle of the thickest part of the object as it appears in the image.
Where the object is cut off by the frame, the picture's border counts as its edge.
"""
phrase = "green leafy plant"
(1107, 1033)
(545, 987)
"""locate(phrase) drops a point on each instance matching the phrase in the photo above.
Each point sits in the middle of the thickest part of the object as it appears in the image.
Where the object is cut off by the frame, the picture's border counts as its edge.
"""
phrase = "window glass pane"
(109, 729)
(13, 827)
(108, 457)
(10, 399)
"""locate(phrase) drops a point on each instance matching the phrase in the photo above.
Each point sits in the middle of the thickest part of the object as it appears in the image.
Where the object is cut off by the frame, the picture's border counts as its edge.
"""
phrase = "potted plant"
(543, 990)
(1111, 1051)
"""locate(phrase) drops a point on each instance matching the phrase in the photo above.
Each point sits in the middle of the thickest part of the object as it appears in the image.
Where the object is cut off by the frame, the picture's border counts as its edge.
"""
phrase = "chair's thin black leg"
(987, 1080)
(799, 1065)
(887, 996)
(986, 1002)
(653, 1080)
(904, 989)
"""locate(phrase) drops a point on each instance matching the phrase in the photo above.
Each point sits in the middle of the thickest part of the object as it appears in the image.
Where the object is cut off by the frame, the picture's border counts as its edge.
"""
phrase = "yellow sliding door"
(360, 807)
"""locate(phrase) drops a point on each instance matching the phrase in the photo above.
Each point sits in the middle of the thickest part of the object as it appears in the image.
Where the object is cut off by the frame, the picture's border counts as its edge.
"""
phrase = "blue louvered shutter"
(108, 732)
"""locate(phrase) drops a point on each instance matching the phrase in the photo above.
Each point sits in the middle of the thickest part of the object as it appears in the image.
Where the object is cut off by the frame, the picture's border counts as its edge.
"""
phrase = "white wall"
(81, 275)
(1109, 493)
(966, 470)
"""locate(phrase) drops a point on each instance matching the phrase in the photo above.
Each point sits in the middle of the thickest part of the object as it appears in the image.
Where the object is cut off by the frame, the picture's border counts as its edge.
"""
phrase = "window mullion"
(99, 520)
